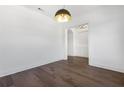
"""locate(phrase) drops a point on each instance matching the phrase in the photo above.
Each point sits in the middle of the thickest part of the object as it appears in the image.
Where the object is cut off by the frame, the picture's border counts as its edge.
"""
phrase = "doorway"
(77, 41)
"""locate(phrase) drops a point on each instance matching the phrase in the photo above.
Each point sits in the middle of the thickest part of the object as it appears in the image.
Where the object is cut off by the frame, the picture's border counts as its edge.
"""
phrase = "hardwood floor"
(73, 72)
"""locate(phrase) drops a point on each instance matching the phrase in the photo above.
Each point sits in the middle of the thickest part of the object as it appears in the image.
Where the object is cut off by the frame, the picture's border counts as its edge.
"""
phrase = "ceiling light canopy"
(63, 15)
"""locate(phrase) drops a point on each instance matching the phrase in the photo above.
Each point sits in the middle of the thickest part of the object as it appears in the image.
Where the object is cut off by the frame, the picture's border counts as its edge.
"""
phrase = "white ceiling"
(50, 10)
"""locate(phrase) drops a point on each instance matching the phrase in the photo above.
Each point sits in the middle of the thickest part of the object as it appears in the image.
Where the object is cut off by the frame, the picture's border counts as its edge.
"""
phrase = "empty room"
(61, 46)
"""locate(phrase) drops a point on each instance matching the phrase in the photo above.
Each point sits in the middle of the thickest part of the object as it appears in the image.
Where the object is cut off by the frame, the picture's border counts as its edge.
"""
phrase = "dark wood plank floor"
(73, 72)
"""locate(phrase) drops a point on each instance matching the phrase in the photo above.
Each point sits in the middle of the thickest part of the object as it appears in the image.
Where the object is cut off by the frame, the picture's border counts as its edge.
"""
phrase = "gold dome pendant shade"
(62, 15)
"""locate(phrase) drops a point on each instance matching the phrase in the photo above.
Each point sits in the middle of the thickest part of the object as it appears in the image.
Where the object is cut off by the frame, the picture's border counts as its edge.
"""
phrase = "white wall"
(70, 43)
(28, 39)
(106, 40)
(106, 36)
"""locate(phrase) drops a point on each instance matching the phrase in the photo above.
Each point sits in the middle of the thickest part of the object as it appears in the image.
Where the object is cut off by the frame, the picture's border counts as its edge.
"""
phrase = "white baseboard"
(107, 67)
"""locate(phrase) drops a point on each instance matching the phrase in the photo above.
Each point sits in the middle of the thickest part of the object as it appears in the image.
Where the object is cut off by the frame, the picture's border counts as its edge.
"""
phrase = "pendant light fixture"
(63, 15)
